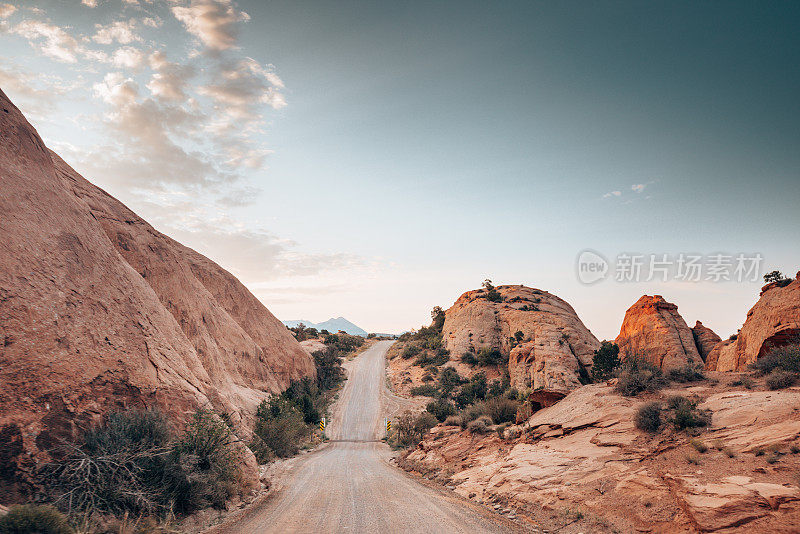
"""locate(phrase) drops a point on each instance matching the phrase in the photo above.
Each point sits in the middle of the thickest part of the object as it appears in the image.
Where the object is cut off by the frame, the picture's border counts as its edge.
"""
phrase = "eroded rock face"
(654, 331)
(99, 311)
(772, 322)
(555, 343)
(704, 339)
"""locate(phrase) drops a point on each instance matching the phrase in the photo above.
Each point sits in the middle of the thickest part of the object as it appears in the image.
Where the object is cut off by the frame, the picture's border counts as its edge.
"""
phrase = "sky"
(375, 159)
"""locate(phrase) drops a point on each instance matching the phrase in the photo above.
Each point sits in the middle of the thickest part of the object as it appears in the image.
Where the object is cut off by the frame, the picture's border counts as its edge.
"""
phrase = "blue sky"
(374, 159)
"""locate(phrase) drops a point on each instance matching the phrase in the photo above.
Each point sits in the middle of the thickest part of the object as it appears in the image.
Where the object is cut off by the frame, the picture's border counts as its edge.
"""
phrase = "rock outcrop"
(654, 331)
(554, 343)
(584, 454)
(704, 339)
(772, 322)
(99, 311)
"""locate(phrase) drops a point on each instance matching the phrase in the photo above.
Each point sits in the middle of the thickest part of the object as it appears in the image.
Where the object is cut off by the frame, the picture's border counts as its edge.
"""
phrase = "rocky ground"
(581, 465)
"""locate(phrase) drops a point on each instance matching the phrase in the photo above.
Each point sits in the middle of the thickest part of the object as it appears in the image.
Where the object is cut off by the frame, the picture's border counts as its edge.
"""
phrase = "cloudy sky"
(374, 159)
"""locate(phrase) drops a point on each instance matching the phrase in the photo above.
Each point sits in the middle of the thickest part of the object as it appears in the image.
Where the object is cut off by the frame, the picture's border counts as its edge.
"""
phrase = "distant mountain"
(331, 325)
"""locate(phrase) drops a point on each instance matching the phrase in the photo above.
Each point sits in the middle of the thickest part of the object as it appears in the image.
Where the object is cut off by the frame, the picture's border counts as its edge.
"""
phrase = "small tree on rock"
(605, 361)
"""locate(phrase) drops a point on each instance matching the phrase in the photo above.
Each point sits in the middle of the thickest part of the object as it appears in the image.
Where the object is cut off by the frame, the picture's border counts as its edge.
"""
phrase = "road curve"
(349, 486)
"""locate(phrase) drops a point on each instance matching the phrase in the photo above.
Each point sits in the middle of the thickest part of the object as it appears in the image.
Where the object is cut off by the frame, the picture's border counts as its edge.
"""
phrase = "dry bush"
(32, 519)
(480, 425)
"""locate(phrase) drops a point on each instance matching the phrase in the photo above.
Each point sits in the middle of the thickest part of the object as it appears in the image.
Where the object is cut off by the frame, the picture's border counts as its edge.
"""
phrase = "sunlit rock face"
(654, 331)
(99, 311)
(553, 343)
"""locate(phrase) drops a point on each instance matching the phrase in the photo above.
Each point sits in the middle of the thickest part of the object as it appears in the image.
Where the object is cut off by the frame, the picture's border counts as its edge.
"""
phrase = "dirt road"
(348, 484)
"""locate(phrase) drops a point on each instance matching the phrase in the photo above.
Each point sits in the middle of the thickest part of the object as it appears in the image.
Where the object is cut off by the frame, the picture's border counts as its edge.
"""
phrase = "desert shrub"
(759, 452)
(424, 422)
(636, 376)
(425, 390)
(474, 390)
(648, 417)
(453, 420)
(280, 428)
(780, 379)
(687, 373)
(469, 358)
(730, 453)
(794, 448)
(32, 519)
(410, 351)
(449, 379)
(519, 335)
(480, 425)
(745, 382)
(698, 445)
(501, 387)
(438, 316)
(773, 458)
(686, 414)
(776, 276)
(472, 412)
(501, 410)
(489, 356)
(133, 464)
(784, 358)
(441, 409)
(693, 459)
(329, 368)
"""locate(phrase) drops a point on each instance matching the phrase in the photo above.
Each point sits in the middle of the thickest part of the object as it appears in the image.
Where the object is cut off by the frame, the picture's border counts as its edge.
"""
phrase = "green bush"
(280, 429)
(474, 390)
(410, 351)
(636, 376)
(32, 519)
(424, 422)
(648, 417)
(329, 368)
(469, 358)
(686, 414)
(472, 412)
(425, 390)
(449, 379)
(687, 373)
(780, 379)
(441, 409)
(784, 358)
(480, 425)
(501, 410)
(489, 356)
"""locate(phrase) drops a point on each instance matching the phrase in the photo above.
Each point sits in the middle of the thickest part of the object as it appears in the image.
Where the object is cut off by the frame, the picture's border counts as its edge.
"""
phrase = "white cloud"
(128, 57)
(613, 194)
(214, 22)
(58, 44)
(6, 10)
(638, 188)
(169, 80)
(120, 31)
(89, 3)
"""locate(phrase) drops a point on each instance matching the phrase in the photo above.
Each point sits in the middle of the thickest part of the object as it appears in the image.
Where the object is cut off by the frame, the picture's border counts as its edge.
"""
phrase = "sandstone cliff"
(654, 331)
(773, 321)
(555, 343)
(704, 339)
(100, 311)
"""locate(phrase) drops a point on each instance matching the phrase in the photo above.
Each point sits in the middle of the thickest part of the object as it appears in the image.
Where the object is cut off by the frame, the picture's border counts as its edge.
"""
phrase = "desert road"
(348, 485)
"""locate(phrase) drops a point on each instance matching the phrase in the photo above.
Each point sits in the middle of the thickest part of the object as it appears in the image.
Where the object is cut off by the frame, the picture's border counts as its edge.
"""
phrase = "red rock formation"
(772, 322)
(555, 344)
(704, 339)
(100, 311)
(654, 331)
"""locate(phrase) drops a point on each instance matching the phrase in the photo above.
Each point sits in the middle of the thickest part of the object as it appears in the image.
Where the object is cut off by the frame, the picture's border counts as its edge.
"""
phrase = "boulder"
(704, 339)
(773, 321)
(554, 343)
(654, 331)
(99, 311)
